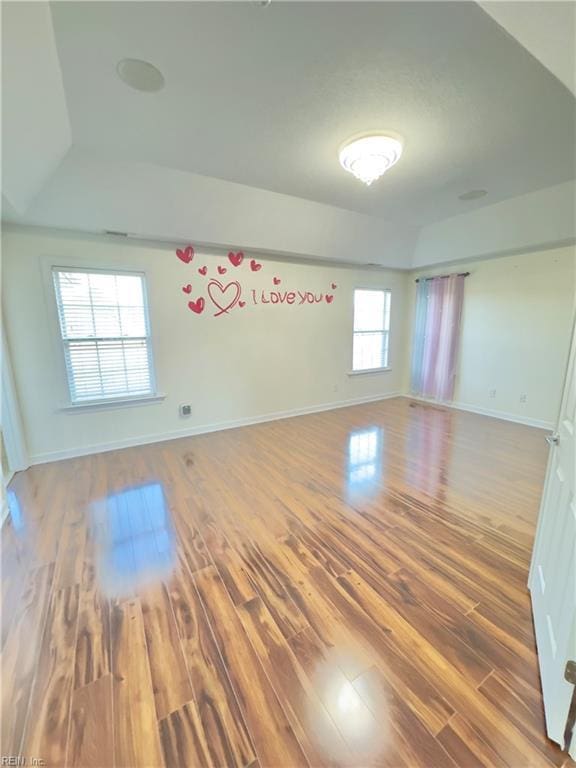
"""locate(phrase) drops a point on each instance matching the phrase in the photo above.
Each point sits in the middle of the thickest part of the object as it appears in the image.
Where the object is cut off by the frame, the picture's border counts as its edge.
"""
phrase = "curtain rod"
(443, 277)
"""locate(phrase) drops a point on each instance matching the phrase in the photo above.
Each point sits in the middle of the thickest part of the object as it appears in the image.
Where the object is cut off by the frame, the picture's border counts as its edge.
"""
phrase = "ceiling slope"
(547, 30)
(35, 127)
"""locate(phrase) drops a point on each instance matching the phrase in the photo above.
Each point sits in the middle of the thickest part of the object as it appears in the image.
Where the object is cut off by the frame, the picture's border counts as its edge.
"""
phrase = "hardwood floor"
(341, 589)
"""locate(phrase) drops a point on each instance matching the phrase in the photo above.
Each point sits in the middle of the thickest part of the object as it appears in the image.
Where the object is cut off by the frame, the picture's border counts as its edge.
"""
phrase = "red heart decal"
(197, 306)
(254, 266)
(241, 304)
(187, 288)
(217, 293)
(329, 298)
(185, 255)
(277, 281)
(334, 286)
(203, 270)
(236, 258)
(222, 270)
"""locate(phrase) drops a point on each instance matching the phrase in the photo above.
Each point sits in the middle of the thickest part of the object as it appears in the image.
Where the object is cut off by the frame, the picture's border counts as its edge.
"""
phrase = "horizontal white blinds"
(371, 329)
(105, 332)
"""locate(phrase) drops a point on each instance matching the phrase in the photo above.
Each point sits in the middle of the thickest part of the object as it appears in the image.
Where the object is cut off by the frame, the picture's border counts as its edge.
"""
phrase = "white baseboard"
(43, 458)
(539, 423)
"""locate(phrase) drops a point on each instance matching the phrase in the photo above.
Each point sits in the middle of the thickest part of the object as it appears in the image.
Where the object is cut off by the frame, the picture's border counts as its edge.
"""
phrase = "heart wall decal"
(254, 266)
(187, 288)
(186, 255)
(235, 258)
(222, 270)
(277, 281)
(224, 297)
(197, 306)
(203, 270)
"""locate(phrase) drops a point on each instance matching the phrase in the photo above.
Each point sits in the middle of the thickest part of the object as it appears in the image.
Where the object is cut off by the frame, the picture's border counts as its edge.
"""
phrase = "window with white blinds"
(371, 329)
(106, 334)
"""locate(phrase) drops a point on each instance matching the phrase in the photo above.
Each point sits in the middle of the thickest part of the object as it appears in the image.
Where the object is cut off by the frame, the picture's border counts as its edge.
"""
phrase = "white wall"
(257, 361)
(516, 324)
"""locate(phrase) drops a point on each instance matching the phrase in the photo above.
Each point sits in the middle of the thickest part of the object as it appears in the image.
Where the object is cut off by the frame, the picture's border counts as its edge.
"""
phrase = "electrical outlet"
(523, 398)
(185, 410)
(491, 393)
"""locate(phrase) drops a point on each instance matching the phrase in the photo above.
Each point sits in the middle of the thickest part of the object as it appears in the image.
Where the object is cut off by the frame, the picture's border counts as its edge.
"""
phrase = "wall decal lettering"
(225, 297)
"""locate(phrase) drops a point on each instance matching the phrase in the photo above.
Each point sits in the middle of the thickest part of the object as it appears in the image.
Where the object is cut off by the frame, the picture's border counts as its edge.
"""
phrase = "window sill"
(369, 370)
(120, 402)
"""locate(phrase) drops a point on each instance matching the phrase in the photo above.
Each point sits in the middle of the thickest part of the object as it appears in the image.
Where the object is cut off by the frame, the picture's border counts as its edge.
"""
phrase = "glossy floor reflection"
(138, 545)
(346, 589)
(365, 461)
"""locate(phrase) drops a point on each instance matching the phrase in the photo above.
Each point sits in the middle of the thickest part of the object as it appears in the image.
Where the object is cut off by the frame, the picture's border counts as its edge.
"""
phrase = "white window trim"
(380, 369)
(109, 402)
(104, 403)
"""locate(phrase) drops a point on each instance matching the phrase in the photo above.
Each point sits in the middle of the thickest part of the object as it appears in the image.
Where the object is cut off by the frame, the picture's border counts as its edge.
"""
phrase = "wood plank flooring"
(346, 589)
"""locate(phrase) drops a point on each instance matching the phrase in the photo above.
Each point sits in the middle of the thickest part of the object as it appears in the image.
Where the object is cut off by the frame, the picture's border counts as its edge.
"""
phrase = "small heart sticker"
(235, 258)
(186, 255)
(329, 298)
(203, 270)
(197, 306)
(277, 281)
(254, 266)
(187, 288)
(334, 286)
(222, 270)
(241, 304)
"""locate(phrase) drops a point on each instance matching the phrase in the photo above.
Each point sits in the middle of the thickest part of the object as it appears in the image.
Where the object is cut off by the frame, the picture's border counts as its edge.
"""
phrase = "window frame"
(103, 403)
(379, 369)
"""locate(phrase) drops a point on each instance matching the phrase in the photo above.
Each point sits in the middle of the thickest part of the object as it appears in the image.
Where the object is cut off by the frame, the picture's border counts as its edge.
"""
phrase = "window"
(105, 333)
(371, 329)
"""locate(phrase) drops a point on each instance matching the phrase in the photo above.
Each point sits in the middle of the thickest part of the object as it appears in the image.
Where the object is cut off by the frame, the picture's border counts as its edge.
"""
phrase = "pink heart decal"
(222, 270)
(236, 258)
(197, 306)
(329, 298)
(277, 281)
(241, 304)
(334, 286)
(187, 288)
(254, 266)
(185, 255)
(203, 270)
(221, 301)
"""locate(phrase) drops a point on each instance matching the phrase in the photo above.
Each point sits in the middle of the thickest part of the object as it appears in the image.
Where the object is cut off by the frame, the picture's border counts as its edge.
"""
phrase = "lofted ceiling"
(257, 101)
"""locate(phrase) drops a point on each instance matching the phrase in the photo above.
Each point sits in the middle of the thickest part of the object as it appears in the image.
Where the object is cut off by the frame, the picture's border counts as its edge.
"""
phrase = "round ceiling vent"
(140, 75)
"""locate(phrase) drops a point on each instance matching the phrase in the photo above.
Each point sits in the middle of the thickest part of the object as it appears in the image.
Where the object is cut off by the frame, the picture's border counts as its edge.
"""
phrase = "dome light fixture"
(370, 156)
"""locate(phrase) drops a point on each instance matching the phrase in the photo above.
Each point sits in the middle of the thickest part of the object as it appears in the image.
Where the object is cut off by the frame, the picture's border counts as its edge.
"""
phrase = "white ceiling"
(258, 100)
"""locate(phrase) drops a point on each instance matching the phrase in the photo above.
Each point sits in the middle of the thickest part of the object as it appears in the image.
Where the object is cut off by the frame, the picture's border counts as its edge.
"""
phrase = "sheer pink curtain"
(440, 332)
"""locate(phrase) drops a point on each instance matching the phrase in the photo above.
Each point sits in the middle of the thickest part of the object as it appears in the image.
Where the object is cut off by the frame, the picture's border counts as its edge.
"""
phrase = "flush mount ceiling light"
(368, 157)
(140, 75)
